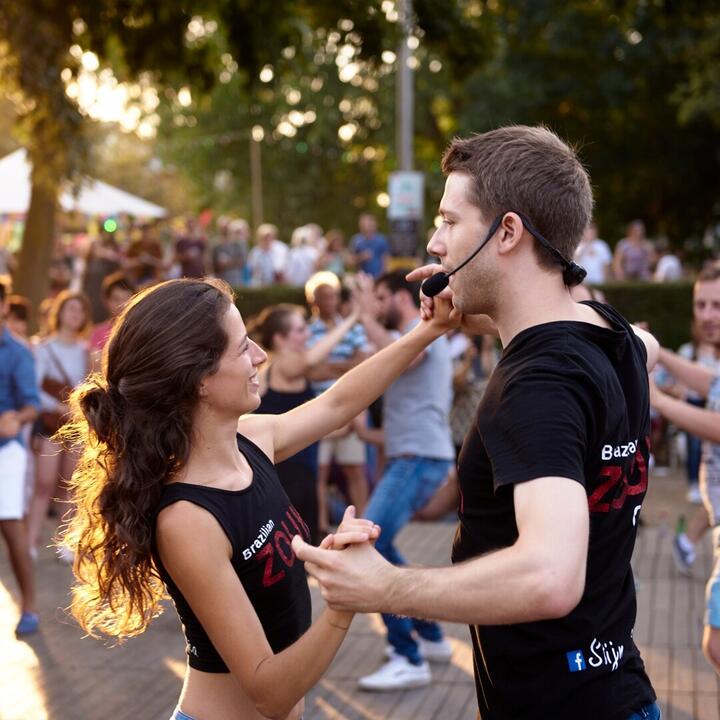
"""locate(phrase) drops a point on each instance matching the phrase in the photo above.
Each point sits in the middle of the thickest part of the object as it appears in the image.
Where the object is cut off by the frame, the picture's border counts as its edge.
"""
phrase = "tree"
(177, 44)
(607, 76)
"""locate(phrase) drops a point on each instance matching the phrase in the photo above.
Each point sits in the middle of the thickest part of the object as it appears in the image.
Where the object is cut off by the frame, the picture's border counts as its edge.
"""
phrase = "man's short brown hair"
(529, 170)
(709, 273)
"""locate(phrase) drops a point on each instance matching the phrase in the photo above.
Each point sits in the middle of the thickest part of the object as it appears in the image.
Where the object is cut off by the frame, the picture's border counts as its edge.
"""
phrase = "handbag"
(52, 420)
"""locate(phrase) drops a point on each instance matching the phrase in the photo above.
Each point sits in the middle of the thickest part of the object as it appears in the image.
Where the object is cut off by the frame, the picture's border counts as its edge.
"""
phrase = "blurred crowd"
(356, 307)
(636, 257)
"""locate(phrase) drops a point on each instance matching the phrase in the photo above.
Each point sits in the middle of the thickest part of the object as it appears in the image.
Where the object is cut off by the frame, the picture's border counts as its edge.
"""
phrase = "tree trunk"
(31, 278)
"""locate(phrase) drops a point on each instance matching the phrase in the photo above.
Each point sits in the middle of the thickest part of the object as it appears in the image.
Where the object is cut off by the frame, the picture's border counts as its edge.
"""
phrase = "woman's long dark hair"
(134, 424)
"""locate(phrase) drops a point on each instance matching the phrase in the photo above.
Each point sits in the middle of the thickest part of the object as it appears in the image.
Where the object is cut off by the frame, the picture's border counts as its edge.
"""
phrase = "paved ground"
(59, 675)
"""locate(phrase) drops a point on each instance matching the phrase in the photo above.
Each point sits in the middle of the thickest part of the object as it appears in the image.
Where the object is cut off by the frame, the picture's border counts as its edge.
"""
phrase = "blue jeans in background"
(694, 449)
(649, 712)
(407, 485)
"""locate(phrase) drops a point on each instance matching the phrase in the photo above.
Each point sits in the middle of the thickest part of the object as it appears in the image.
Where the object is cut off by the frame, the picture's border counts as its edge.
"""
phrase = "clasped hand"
(355, 579)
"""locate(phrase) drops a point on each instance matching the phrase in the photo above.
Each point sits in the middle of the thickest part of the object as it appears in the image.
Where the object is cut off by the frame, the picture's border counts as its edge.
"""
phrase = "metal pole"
(404, 96)
(256, 193)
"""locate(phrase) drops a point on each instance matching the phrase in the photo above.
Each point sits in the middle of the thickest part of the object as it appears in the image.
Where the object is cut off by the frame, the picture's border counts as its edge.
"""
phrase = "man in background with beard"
(419, 453)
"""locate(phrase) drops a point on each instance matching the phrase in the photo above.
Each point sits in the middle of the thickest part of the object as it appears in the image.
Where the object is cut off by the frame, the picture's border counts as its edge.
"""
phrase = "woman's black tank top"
(260, 523)
(277, 402)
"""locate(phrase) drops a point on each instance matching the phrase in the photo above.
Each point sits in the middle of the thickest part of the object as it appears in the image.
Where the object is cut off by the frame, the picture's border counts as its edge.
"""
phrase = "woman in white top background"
(61, 363)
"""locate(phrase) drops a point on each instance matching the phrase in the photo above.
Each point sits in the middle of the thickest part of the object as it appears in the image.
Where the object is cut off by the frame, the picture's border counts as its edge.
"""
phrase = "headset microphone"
(573, 274)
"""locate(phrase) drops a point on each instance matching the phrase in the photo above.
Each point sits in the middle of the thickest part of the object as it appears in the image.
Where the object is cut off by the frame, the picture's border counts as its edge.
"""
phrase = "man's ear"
(510, 233)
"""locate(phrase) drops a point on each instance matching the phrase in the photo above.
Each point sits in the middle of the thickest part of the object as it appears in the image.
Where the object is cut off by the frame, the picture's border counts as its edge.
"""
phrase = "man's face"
(706, 310)
(327, 299)
(462, 230)
(116, 300)
(367, 224)
(387, 310)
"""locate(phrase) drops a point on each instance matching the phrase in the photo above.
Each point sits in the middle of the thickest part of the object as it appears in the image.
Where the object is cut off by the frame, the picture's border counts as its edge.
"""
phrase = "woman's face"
(297, 334)
(72, 316)
(233, 389)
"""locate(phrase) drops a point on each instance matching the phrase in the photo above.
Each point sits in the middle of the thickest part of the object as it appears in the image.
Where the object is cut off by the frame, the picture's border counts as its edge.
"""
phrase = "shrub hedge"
(666, 307)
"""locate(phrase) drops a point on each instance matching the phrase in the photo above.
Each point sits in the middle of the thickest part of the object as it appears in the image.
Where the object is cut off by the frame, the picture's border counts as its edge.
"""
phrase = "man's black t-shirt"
(568, 399)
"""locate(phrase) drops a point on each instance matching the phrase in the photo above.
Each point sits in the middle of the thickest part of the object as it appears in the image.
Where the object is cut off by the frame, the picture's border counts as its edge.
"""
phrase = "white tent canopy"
(93, 198)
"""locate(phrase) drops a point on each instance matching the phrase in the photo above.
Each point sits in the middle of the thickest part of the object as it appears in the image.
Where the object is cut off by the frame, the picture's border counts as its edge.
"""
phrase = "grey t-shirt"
(416, 406)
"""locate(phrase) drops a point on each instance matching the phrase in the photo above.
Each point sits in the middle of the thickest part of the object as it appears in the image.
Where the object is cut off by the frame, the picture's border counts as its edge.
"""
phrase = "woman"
(61, 363)
(283, 330)
(172, 489)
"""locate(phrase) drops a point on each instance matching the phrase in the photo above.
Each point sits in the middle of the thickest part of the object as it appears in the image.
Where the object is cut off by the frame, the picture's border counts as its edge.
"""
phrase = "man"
(634, 254)
(553, 472)
(705, 424)
(230, 254)
(18, 405)
(116, 291)
(322, 292)
(419, 452)
(594, 255)
(369, 247)
(267, 261)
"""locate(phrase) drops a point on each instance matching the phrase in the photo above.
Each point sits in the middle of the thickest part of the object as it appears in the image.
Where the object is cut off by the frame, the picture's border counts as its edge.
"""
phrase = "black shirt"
(567, 399)
(259, 522)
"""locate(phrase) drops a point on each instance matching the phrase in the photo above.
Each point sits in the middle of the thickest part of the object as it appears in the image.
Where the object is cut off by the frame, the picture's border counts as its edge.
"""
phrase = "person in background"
(283, 331)
(116, 291)
(419, 455)
(267, 261)
(145, 263)
(61, 363)
(190, 250)
(701, 350)
(594, 255)
(302, 258)
(102, 259)
(333, 258)
(706, 324)
(230, 254)
(704, 423)
(369, 247)
(317, 236)
(18, 406)
(669, 267)
(17, 317)
(322, 292)
(634, 254)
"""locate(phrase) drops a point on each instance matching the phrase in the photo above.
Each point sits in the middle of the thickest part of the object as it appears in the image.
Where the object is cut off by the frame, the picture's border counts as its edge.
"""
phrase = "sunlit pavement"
(59, 675)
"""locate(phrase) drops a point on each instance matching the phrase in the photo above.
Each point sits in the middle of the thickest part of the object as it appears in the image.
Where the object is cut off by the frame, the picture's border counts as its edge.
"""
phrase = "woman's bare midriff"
(218, 696)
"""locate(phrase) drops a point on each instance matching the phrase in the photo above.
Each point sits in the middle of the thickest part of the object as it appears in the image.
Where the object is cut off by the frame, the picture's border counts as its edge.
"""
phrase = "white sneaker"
(693, 494)
(439, 651)
(398, 673)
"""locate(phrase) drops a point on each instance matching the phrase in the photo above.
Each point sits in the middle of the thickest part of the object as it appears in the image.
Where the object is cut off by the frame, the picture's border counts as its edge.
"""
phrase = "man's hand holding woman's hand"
(352, 530)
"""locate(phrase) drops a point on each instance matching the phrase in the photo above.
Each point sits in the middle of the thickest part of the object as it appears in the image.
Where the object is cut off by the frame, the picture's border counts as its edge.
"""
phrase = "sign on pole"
(407, 191)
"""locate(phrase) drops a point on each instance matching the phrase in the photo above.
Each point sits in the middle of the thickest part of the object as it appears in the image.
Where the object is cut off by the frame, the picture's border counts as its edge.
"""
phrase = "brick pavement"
(59, 675)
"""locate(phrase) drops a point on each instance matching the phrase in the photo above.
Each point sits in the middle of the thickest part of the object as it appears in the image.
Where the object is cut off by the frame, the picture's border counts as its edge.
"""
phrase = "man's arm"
(690, 374)
(703, 423)
(541, 576)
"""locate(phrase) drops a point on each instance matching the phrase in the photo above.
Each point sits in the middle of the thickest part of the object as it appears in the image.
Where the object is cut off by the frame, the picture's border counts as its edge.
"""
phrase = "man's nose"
(435, 245)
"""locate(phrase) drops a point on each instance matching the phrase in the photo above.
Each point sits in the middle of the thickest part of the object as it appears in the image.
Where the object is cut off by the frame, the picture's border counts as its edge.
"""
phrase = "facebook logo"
(575, 660)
